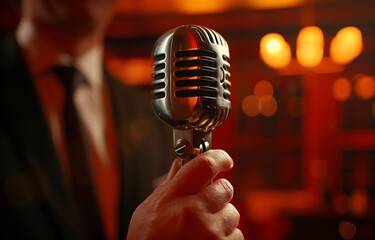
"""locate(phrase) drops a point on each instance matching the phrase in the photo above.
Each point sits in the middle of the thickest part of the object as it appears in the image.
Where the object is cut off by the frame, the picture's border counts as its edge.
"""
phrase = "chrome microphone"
(191, 82)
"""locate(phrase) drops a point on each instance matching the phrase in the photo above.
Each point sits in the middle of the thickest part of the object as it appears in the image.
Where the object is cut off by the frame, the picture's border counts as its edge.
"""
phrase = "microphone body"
(191, 81)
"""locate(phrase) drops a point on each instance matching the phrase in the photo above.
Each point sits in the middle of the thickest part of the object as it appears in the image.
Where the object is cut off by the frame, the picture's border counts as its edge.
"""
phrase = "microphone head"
(191, 78)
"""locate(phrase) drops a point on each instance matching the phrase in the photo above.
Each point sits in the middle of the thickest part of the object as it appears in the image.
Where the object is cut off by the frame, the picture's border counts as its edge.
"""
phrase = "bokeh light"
(346, 45)
(359, 202)
(347, 230)
(263, 88)
(342, 89)
(251, 105)
(310, 46)
(275, 51)
(364, 86)
(268, 105)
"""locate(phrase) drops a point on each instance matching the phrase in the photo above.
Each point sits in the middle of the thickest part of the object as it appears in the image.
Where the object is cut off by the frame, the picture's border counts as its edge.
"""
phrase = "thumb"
(199, 172)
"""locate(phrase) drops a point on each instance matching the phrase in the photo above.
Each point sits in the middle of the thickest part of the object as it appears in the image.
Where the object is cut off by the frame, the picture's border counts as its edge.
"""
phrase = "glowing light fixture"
(346, 45)
(275, 51)
(344, 48)
(310, 46)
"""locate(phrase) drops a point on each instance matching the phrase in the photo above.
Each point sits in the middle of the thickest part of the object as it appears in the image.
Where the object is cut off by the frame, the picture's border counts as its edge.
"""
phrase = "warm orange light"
(346, 45)
(132, 71)
(342, 89)
(359, 203)
(271, 4)
(364, 86)
(199, 6)
(173, 6)
(251, 105)
(268, 105)
(275, 51)
(310, 46)
(263, 88)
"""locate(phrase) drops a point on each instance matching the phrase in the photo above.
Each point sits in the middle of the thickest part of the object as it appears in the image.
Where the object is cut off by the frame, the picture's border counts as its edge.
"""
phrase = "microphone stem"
(190, 143)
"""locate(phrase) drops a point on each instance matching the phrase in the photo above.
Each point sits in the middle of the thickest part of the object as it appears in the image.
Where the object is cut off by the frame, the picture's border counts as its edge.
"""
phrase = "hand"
(186, 205)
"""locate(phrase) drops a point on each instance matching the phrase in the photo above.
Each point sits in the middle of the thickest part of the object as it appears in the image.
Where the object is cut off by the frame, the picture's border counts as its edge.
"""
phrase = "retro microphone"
(191, 82)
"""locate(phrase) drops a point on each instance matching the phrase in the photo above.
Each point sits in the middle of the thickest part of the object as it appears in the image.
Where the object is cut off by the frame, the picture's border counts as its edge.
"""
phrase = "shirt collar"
(42, 54)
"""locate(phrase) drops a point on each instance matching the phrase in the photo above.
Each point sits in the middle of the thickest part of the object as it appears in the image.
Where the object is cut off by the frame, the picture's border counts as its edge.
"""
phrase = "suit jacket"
(34, 200)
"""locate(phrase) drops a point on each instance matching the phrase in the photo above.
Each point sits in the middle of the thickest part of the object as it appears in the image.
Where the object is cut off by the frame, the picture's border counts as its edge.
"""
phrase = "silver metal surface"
(191, 81)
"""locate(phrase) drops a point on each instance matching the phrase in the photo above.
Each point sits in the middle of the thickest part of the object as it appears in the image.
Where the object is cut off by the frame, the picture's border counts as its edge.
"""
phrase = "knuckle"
(231, 219)
(224, 190)
(209, 163)
(224, 155)
(232, 213)
(227, 187)
(193, 210)
(216, 161)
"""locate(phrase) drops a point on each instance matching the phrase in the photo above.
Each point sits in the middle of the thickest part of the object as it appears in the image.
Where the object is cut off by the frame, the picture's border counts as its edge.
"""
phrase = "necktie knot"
(69, 76)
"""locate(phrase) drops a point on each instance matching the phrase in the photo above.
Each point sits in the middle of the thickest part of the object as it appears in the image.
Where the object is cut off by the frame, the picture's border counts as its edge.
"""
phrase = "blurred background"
(302, 126)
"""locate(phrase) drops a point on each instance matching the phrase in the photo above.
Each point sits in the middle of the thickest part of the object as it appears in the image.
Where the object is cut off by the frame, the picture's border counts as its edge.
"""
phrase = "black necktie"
(78, 154)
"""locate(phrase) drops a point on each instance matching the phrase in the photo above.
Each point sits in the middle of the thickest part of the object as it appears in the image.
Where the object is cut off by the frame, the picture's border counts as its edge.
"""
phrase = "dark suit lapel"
(24, 123)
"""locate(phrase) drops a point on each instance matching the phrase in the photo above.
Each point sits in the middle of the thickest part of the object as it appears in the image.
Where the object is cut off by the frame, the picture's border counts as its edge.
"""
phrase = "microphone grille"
(210, 118)
(191, 78)
(209, 35)
(159, 75)
(195, 73)
(204, 66)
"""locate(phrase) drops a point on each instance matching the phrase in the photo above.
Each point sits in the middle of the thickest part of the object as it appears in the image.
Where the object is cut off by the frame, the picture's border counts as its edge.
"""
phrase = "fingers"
(200, 171)
(215, 198)
(217, 195)
(230, 219)
(235, 235)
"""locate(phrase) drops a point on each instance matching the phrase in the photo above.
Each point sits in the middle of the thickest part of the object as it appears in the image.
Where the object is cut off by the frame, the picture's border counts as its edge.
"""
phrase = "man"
(38, 195)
